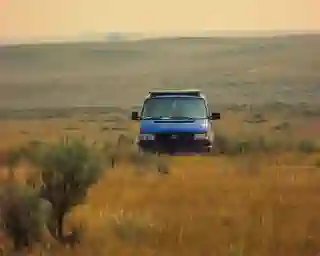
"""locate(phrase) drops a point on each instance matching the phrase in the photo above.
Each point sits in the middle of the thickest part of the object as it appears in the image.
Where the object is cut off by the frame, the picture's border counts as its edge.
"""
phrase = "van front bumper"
(169, 143)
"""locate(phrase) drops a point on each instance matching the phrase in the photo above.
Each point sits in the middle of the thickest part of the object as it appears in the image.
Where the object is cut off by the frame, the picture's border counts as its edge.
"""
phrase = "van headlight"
(146, 136)
(201, 136)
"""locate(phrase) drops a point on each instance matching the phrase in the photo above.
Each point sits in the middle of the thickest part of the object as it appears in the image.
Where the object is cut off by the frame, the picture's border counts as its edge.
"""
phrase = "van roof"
(176, 93)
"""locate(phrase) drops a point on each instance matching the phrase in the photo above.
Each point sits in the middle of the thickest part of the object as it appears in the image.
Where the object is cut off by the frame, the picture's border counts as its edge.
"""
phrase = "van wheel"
(208, 151)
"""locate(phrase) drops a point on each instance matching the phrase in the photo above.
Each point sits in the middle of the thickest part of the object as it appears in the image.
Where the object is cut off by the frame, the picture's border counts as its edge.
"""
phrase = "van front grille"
(174, 138)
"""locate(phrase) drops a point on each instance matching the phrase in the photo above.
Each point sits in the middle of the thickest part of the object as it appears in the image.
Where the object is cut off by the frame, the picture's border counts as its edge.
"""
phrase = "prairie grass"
(256, 195)
(205, 207)
(254, 204)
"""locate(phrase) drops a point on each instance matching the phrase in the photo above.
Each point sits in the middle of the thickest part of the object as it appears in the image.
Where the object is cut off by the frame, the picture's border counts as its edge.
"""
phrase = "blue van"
(175, 121)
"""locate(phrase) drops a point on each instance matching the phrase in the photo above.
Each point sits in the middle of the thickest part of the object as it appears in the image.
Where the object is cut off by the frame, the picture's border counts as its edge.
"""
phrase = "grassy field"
(262, 202)
(255, 199)
(229, 70)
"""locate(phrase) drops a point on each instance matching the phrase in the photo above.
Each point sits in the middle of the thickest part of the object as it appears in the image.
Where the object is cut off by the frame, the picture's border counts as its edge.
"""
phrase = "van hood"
(174, 126)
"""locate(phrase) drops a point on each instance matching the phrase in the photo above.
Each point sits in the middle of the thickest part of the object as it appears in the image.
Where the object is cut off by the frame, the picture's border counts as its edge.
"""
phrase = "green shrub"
(308, 146)
(22, 215)
(254, 144)
(12, 161)
(282, 126)
(223, 145)
(234, 146)
(68, 168)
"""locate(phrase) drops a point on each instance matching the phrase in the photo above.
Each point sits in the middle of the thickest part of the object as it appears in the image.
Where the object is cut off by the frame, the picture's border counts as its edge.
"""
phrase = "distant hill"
(229, 70)
(92, 36)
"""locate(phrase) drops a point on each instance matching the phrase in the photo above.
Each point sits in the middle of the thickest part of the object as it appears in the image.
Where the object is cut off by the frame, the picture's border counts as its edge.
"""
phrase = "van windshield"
(182, 107)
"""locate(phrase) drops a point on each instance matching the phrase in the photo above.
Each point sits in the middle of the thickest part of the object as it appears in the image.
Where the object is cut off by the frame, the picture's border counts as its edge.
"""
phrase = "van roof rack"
(190, 92)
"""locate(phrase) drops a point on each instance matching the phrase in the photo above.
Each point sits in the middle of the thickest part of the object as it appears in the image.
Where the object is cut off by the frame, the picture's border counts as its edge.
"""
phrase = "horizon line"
(204, 33)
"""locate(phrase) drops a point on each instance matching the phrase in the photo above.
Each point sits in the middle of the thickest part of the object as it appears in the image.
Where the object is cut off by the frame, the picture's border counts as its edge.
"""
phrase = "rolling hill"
(229, 70)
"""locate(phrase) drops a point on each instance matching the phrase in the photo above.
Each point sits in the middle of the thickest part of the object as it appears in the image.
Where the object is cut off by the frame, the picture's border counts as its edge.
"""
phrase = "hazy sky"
(42, 18)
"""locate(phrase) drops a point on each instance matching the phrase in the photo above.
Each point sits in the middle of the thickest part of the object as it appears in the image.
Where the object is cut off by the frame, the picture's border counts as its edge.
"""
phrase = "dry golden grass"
(212, 206)
(255, 204)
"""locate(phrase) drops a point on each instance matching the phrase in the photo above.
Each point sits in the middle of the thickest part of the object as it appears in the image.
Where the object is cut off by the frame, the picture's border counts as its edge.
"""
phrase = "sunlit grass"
(214, 210)
(259, 203)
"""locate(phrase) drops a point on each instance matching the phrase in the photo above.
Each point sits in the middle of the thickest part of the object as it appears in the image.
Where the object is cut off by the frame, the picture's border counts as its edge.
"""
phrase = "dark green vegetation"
(60, 177)
(22, 217)
(66, 170)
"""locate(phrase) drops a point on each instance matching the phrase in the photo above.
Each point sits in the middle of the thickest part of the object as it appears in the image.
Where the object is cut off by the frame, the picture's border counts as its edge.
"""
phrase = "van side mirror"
(215, 116)
(135, 116)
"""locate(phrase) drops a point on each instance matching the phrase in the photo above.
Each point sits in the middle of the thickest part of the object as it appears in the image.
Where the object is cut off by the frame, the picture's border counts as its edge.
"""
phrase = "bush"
(126, 151)
(283, 126)
(12, 161)
(307, 147)
(223, 145)
(257, 144)
(144, 160)
(232, 146)
(68, 169)
(256, 118)
(22, 215)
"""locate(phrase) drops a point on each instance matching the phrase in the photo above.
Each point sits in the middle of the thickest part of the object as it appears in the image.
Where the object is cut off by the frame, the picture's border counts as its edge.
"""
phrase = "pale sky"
(43, 18)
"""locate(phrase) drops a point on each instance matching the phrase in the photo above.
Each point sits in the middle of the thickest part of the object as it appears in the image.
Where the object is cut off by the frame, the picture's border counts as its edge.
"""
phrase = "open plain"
(257, 196)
